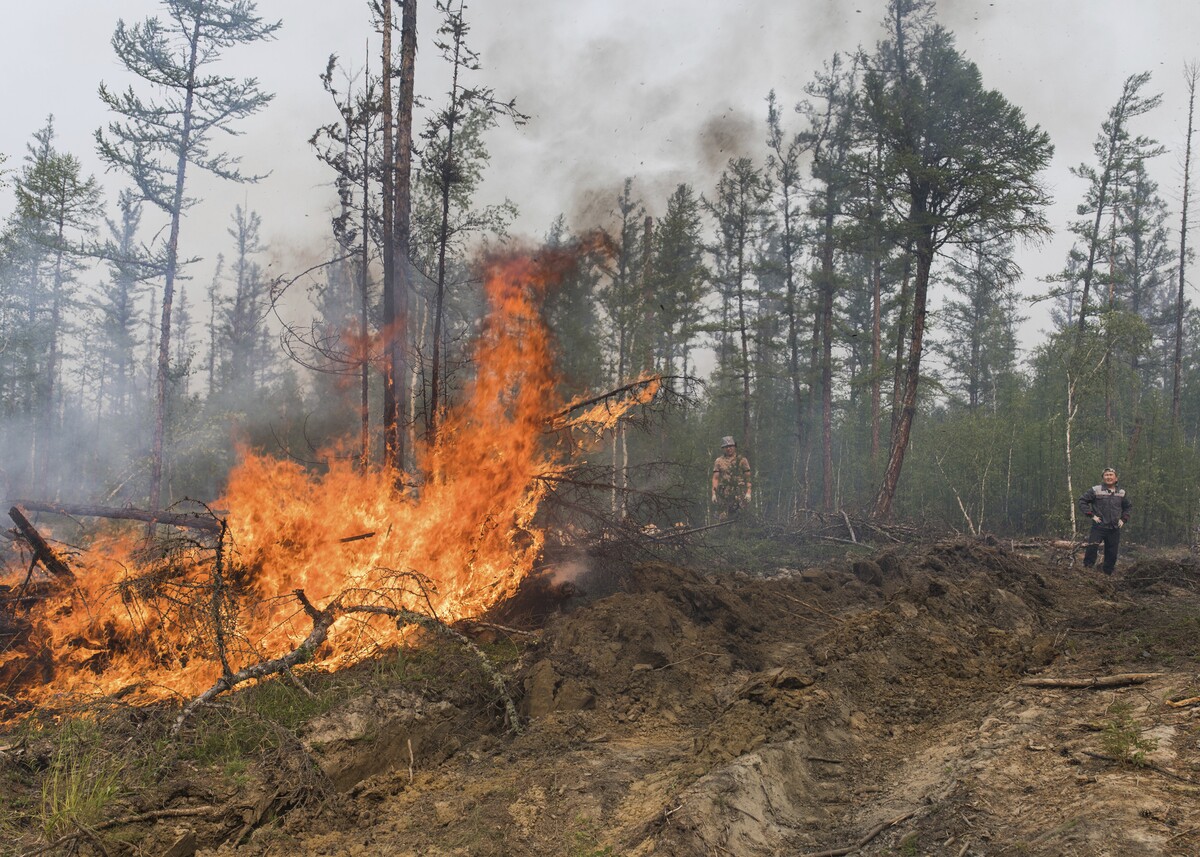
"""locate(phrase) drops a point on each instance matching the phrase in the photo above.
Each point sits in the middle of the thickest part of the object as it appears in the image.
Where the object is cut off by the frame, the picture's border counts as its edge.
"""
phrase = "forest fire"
(458, 539)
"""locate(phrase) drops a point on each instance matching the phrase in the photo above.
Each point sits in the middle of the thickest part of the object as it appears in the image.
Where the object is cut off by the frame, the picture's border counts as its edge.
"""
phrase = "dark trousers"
(1111, 537)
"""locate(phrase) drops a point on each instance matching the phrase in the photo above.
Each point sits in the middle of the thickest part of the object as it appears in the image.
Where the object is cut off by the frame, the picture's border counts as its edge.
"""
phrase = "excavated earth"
(870, 706)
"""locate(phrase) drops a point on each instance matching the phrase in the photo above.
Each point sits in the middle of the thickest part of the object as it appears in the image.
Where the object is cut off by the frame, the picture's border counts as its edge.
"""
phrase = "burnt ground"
(748, 711)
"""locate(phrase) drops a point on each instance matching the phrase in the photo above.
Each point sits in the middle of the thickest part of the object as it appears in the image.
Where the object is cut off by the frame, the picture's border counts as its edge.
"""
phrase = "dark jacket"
(1110, 504)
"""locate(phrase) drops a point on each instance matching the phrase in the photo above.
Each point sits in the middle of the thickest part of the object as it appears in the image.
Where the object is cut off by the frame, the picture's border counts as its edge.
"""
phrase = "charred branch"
(41, 548)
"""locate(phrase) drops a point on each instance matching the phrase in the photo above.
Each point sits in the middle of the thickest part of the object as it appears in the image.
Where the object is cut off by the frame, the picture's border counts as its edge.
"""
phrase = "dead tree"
(204, 521)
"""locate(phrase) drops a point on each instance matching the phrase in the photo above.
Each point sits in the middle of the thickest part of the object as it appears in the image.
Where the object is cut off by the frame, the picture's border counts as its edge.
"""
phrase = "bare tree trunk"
(404, 135)
(364, 305)
(1072, 408)
(901, 327)
(388, 322)
(826, 311)
(164, 340)
(448, 170)
(1191, 73)
(876, 349)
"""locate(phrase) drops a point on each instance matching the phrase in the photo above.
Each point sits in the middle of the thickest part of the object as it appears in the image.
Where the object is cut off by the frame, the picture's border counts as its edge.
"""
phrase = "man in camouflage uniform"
(730, 481)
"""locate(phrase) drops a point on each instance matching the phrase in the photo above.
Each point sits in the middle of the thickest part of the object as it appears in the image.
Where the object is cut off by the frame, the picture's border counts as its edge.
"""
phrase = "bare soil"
(869, 706)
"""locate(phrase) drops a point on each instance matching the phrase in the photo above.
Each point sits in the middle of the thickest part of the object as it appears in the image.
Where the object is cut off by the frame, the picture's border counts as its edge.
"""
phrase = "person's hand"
(1096, 518)
(747, 495)
(714, 497)
(1120, 524)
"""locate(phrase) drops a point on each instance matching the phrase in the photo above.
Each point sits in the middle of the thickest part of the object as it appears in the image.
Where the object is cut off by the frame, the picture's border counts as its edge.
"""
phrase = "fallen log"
(1120, 680)
(191, 520)
(41, 548)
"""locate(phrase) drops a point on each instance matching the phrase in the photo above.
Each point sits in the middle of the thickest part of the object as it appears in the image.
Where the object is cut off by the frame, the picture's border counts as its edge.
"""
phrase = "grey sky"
(660, 90)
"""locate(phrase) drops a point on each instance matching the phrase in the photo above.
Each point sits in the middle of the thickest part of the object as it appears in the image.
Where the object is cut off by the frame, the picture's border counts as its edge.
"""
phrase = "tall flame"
(453, 543)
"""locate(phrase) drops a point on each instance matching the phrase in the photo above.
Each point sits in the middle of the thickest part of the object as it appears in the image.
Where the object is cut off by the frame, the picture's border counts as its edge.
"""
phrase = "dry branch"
(867, 837)
(1183, 703)
(41, 548)
(849, 526)
(322, 621)
(154, 815)
(1120, 680)
(638, 385)
(410, 617)
(193, 521)
(1149, 766)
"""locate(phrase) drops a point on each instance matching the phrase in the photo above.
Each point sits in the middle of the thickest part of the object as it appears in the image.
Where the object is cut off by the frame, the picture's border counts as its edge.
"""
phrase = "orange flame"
(460, 542)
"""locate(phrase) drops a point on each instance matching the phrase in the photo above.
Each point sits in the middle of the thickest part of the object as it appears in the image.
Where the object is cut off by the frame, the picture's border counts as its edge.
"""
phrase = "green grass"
(224, 738)
(81, 782)
(585, 841)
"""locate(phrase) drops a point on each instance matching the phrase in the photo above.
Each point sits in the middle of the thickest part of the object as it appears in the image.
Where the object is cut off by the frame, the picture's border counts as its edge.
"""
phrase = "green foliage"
(1122, 737)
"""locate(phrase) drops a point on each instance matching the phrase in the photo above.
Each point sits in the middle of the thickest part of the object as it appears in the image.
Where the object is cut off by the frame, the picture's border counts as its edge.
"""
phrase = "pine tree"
(56, 212)
(956, 156)
(980, 345)
(739, 208)
(453, 162)
(678, 282)
(117, 301)
(154, 141)
(1118, 154)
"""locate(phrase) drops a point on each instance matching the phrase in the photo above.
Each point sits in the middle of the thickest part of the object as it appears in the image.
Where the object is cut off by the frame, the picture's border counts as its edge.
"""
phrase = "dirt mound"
(875, 700)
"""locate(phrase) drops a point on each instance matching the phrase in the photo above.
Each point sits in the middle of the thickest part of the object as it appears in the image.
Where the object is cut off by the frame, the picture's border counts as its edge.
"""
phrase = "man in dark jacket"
(1108, 507)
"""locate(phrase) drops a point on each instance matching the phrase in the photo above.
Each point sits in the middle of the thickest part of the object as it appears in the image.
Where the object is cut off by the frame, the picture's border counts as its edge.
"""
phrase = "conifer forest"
(848, 294)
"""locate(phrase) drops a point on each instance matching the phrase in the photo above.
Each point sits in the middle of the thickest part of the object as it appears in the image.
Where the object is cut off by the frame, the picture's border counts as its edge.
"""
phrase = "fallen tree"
(205, 521)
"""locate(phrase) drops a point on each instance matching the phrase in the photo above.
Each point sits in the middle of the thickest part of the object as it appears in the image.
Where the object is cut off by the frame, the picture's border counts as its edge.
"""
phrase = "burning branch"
(617, 400)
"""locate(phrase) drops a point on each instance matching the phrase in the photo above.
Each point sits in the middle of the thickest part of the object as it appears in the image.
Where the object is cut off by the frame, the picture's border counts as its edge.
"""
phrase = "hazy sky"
(660, 90)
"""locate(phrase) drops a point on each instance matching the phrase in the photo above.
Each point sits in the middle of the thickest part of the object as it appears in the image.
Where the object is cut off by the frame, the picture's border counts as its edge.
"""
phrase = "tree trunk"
(164, 341)
(1191, 73)
(41, 548)
(908, 403)
(876, 348)
(447, 177)
(404, 134)
(826, 311)
(391, 440)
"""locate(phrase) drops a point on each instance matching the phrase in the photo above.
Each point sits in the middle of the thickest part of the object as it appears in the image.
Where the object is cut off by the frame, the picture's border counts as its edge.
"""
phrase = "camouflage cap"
(728, 441)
